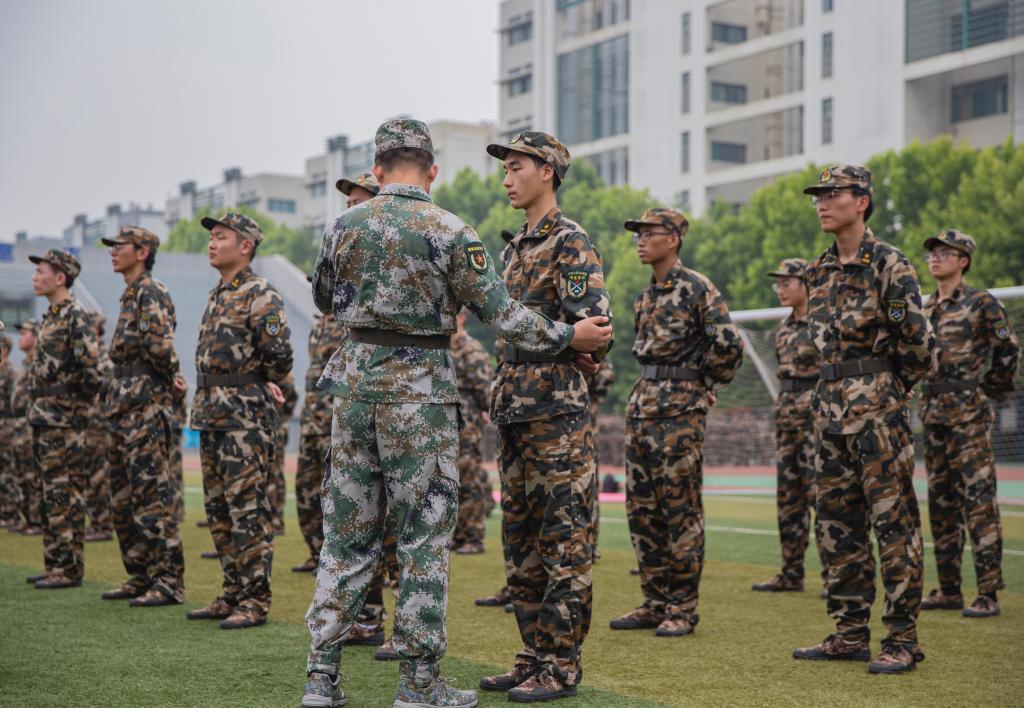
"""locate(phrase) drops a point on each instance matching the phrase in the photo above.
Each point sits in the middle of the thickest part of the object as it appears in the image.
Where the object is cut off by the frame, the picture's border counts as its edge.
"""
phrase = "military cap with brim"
(669, 218)
(61, 260)
(364, 181)
(790, 268)
(27, 326)
(402, 133)
(537, 144)
(839, 176)
(954, 239)
(239, 223)
(136, 236)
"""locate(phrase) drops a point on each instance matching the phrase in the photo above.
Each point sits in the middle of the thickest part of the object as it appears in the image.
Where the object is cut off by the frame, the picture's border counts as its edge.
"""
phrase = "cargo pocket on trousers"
(440, 502)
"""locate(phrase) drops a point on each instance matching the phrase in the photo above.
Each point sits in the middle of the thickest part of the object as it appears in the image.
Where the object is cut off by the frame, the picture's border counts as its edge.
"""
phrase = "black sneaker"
(834, 648)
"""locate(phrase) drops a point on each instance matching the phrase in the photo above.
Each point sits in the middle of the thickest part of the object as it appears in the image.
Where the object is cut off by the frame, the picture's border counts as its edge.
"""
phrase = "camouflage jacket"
(143, 336)
(66, 355)
(971, 329)
(178, 412)
(555, 270)
(244, 331)
(682, 321)
(20, 400)
(870, 308)
(599, 384)
(98, 410)
(8, 377)
(324, 339)
(399, 263)
(280, 415)
(798, 359)
(473, 372)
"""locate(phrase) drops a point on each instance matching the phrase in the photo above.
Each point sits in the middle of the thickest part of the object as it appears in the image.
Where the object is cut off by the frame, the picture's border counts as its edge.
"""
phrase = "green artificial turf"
(64, 648)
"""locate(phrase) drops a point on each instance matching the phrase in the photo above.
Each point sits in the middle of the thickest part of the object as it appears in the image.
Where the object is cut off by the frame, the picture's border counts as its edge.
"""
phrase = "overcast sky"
(109, 101)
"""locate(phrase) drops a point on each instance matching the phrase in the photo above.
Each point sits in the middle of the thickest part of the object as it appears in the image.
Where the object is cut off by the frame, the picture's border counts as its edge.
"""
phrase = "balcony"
(739, 21)
(935, 27)
(776, 72)
(767, 137)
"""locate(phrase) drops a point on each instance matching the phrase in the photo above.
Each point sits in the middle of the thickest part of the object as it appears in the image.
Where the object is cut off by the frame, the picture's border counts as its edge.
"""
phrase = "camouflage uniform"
(30, 484)
(875, 342)
(687, 346)
(971, 329)
(98, 502)
(795, 439)
(545, 439)
(473, 372)
(243, 343)
(179, 419)
(63, 379)
(280, 418)
(598, 385)
(10, 493)
(395, 270)
(138, 404)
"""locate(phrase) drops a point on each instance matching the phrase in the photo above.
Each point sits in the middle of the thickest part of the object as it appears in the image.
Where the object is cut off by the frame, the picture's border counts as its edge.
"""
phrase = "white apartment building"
(279, 196)
(84, 231)
(700, 100)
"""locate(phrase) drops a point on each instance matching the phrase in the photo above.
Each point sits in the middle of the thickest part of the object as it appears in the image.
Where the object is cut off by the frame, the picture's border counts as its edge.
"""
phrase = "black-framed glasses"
(830, 194)
(644, 235)
(940, 256)
(118, 246)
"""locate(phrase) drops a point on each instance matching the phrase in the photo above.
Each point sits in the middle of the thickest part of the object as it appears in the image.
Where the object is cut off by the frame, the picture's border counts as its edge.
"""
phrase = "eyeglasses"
(117, 247)
(644, 235)
(829, 195)
(782, 283)
(941, 255)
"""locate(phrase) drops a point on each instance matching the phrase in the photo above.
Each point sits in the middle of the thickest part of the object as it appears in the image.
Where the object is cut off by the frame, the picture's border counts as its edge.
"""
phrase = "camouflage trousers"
(59, 455)
(143, 500)
(469, 527)
(665, 509)
(596, 519)
(98, 494)
(547, 500)
(387, 566)
(235, 491)
(276, 490)
(309, 475)
(795, 495)
(177, 473)
(962, 492)
(864, 483)
(31, 486)
(398, 461)
(10, 489)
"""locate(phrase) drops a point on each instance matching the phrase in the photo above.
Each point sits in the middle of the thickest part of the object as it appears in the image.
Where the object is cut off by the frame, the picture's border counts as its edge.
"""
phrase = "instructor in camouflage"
(972, 332)
(869, 326)
(395, 271)
(31, 497)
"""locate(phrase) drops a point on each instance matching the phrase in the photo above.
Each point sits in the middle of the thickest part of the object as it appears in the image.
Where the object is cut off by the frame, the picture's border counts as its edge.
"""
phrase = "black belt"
(682, 373)
(62, 389)
(790, 384)
(123, 372)
(931, 388)
(512, 355)
(207, 380)
(385, 338)
(857, 367)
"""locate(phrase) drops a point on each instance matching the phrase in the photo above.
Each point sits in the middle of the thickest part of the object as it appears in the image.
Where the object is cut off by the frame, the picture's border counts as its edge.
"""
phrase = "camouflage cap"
(365, 181)
(5, 341)
(954, 239)
(27, 326)
(790, 268)
(402, 133)
(669, 218)
(135, 235)
(838, 176)
(542, 145)
(61, 260)
(239, 223)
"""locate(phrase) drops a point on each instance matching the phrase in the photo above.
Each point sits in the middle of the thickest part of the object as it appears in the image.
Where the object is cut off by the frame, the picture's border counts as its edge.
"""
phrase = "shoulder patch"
(709, 325)
(897, 311)
(1003, 330)
(577, 283)
(79, 351)
(476, 257)
(144, 318)
(272, 325)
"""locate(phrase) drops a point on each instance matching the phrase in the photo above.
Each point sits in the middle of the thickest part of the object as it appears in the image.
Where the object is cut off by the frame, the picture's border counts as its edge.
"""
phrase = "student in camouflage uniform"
(474, 374)
(795, 438)
(279, 418)
(545, 441)
(97, 497)
(10, 494)
(875, 343)
(244, 350)
(395, 270)
(64, 377)
(30, 485)
(687, 346)
(971, 331)
(145, 374)
(598, 385)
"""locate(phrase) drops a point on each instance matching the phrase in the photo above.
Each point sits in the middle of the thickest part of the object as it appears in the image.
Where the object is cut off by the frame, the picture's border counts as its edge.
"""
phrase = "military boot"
(542, 686)
(420, 686)
(366, 635)
(896, 659)
(498, 599)
(510, 679)
(983, 606)
(323, 691)
(941, 600)
(834, 648)
(641, 618)
(780, 583)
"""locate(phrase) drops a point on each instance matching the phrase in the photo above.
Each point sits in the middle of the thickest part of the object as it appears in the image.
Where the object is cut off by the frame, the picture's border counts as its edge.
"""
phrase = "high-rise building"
(700, 100)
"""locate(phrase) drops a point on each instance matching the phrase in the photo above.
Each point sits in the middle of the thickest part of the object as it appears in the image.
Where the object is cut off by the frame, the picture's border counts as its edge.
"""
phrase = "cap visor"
(345, 186)
(814, 189)
(498, 151)
(209, 222)
(38, 259)
(777, 274)
(931, 242)
(112, 242)
(635, 225)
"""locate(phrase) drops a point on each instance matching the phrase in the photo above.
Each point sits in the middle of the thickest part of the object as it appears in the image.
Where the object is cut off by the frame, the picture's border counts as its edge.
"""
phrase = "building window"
(612, 166)
(826, 121)
(728, 152)
(683, 200)
(728, 34)
(826, 6)
(686, 33)
(984, 26)
(980, 99)
(317, 190)
(520, 84)
(593, 91)
(283, 205)
(520, 33)
(685, 91)
(728, 93)
(684, 152)
(826, 55)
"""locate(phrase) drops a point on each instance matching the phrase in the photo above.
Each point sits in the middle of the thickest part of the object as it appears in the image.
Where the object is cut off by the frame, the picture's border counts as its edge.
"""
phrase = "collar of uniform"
(672, 277)
(57, 309)
(792, 319)
(542, 229)
(865, 254)
(129, 291)
(955, 296)
(236, 282)
(406, 190)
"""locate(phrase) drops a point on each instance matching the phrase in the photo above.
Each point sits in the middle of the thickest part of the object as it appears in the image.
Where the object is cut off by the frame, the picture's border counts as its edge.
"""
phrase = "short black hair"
(405, 157)
(540, 162)
(69, 280)
(858, 192)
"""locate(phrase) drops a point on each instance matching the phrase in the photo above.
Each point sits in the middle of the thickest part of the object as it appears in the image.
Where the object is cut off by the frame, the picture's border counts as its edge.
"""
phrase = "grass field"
(69, 648)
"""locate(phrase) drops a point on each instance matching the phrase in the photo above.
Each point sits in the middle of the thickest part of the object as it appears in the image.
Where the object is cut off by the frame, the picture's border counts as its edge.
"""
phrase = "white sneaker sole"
(404, 704)
(322, 702)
